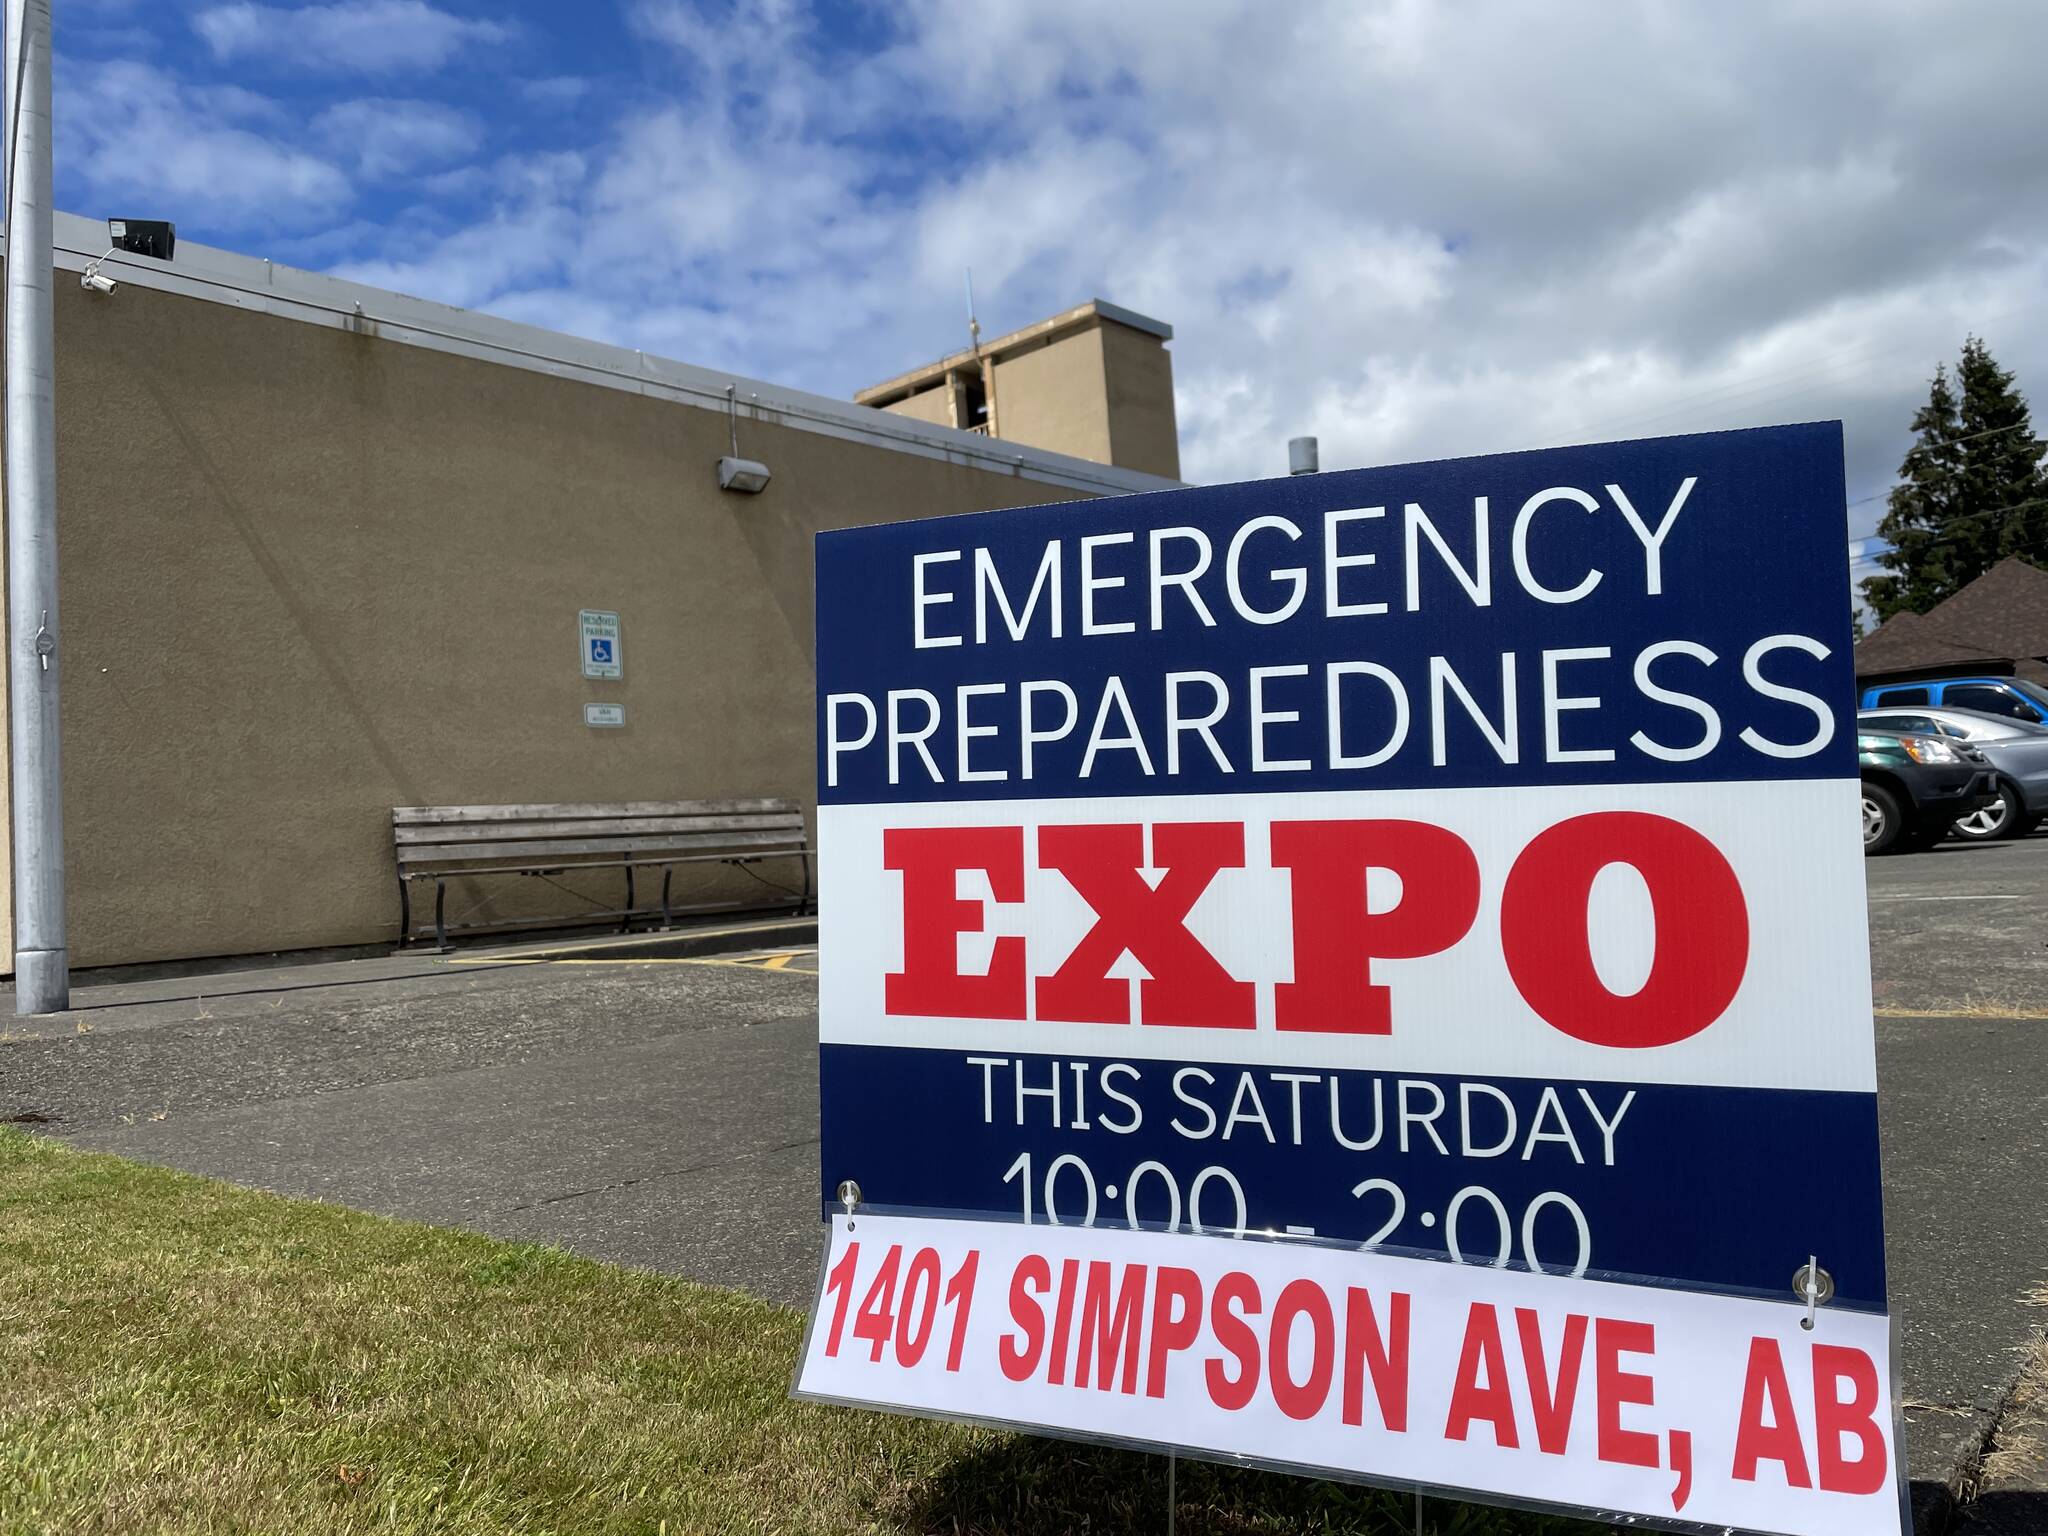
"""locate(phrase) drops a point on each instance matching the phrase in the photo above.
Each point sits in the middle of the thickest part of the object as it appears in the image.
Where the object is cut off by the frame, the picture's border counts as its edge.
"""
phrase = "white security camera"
(96, 280)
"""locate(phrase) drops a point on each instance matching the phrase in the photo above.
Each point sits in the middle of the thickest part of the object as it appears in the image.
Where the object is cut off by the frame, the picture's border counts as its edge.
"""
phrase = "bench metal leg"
(667, 921)
(626, 922)
(440, 919)
(805, 905)
(404, 912)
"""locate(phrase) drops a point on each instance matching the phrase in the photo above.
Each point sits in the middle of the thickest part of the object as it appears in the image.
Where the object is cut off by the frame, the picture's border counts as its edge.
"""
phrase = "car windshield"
(1978, 726)
(1905, 720)
(2033, 691)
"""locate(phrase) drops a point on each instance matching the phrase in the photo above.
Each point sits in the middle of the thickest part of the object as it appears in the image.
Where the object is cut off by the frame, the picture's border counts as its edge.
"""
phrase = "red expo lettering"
(1702, 923)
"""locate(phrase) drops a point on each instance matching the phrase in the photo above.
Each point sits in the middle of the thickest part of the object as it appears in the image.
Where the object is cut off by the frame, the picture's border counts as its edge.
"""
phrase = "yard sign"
(1453, 862)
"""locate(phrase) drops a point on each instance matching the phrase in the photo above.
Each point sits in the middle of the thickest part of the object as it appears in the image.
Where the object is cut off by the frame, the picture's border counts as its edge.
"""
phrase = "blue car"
(2013, 697)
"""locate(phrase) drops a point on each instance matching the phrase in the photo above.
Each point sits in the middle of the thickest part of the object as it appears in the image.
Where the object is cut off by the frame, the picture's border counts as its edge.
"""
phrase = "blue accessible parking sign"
(599, 633)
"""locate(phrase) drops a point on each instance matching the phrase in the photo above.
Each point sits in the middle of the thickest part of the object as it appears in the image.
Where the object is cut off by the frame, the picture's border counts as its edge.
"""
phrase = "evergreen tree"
(2002, 483)
(1919, 507)
(1971, 489)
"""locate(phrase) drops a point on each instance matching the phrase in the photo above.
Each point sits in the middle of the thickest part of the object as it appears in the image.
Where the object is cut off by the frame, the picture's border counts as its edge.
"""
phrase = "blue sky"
(1414, 229)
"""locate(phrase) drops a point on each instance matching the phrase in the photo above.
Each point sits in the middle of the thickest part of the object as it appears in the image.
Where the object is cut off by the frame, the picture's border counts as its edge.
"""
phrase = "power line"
(1768, 381)
(1948, 442)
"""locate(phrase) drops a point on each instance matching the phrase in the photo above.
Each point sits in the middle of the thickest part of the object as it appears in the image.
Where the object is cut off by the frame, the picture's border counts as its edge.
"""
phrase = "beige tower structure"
(1095, 381)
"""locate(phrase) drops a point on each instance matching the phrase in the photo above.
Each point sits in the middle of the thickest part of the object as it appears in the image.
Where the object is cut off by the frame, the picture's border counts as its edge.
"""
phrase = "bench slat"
(464, 815)
(551, 850)
(625, 826)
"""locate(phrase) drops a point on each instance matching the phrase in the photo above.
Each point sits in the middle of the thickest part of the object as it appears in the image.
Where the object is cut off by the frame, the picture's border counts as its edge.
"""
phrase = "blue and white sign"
(597, 633)
(1453, 857)
(1460, 858)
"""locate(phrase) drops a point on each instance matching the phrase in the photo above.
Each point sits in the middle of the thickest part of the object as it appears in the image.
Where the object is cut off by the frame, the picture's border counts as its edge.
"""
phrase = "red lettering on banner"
(1018, 1362)
(934, 916)
(1856, 1417)
(1108, 1328)
(960, 1297)
(1681, 1466)
(1236, 1296)
(1172, 1328)
(839, 1284)
(1302, 1399)
(1551, 1404)
(1702, 929)
(1063, 1319)
(876, 1319)
(1336, 937)
(1756, 1440)
(1616, 1389)
(1186, 985)
(1384, 1354)
(1470, 1400)
(1776, 1440)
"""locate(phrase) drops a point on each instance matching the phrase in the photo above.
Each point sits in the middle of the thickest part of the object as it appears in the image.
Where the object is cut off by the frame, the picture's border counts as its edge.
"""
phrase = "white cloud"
(1412, 229)
(387, 138)
(362, 36)
(129, 132)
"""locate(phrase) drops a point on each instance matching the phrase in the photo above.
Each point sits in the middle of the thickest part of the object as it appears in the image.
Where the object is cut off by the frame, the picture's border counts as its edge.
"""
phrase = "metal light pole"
(42, 965)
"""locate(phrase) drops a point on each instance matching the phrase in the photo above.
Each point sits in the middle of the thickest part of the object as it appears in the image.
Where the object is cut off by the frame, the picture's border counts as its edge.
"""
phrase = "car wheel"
(1883, 820)
(2004, 817)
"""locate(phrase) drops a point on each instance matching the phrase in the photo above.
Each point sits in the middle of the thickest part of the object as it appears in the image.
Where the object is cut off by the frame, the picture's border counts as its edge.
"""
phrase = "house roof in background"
(2002, 615)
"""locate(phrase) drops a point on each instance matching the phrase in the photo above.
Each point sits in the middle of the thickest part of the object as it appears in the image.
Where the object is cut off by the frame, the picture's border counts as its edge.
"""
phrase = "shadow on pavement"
(2019, 1513)
(1025, 1486)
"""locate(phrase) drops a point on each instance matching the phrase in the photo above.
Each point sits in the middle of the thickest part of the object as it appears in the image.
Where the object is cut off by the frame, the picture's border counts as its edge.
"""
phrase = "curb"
(2010, 1497)
(679, 944)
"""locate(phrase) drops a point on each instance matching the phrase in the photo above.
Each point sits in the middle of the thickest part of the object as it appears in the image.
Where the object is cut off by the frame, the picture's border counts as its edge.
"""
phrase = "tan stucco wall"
(1050, 395)
(309, 575)
(933, 405)
(1144, 431)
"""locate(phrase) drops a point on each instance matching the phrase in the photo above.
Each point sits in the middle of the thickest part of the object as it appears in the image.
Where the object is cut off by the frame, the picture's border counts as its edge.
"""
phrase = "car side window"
(1990, 700)
(1892, 696)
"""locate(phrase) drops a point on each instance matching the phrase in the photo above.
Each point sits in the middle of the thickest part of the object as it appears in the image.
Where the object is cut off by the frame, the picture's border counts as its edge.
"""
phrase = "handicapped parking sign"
(599, 632)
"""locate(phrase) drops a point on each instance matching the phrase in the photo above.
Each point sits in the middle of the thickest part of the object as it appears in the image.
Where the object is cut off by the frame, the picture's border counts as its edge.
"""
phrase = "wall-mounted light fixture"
(154, 238)
(747, 476)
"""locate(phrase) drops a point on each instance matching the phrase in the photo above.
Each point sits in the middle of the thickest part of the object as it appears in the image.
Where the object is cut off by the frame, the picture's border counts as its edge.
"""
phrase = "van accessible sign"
(1454, 860)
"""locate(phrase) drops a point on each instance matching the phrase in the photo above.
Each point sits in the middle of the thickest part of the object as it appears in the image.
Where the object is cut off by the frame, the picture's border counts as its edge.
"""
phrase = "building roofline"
(252, 283)
(1067, 319)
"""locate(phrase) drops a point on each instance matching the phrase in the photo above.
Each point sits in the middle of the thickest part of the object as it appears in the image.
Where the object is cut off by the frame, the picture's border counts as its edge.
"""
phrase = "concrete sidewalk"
(662, 1110)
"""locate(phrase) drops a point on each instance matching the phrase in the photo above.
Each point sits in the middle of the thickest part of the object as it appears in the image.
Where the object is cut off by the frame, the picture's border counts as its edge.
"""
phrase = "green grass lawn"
(180, 1355)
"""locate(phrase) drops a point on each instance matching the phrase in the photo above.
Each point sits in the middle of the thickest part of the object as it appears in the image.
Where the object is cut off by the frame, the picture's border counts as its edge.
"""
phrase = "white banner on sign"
(1667, 1405)
(1455, 1008)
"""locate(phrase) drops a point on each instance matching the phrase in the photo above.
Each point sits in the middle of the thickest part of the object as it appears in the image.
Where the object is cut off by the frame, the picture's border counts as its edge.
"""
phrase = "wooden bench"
(445, 842)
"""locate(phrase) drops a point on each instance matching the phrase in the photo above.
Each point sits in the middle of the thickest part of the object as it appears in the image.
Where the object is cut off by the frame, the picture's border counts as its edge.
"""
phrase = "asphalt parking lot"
(661, 1110)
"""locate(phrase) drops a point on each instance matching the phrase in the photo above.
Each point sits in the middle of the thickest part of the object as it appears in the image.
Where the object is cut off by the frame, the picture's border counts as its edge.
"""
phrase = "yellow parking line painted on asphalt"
(783, 968)
(1958, 1013)
(512, 957)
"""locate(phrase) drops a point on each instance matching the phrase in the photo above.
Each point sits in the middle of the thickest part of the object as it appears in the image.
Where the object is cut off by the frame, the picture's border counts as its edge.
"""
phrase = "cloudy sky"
(1411, 229)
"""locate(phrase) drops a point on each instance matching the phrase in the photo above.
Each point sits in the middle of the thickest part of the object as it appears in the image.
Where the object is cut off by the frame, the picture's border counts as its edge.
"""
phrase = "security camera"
(749, 476)
(96, 280)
